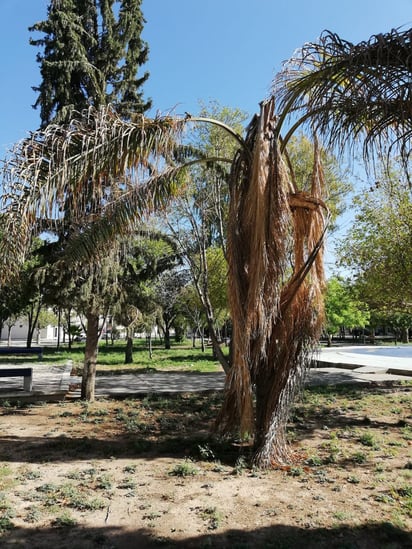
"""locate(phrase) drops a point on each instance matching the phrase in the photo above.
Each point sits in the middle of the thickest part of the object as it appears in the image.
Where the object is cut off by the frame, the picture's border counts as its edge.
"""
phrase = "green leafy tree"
(377, 249)
(192, 310)
(167, 291)
(198, 219)
(342, 308)
(44, 319)
(142, 266)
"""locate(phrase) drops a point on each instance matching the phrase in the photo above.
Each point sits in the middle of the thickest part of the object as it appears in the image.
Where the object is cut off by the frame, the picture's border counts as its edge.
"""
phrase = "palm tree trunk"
(90, 357)
(272, 401)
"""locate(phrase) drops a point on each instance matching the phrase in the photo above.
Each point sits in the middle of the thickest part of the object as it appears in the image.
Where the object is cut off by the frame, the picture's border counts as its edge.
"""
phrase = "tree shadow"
(368, 536)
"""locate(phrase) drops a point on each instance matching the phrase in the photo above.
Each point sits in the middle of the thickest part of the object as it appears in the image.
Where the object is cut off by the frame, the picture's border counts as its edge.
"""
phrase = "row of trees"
(92, 179)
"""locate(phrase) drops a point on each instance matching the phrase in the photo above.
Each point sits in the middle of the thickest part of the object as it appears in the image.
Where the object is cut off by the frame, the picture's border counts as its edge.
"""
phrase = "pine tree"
(91, 53)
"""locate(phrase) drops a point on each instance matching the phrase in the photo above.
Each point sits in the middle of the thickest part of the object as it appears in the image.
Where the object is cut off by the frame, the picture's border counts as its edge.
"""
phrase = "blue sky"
(228, 50)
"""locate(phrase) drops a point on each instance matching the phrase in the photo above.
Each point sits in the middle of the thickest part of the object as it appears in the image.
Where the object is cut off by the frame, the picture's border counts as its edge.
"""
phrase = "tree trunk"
(217, 351)
(329, 340)
(150, 346)
(59, 322)
(90, 357)
(167, 336)
(405, 335)
(32, 317)
(202, 339)
(128, 356)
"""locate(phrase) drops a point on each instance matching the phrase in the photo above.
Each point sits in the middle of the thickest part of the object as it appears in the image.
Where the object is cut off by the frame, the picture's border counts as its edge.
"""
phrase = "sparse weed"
(127, 484)
(29, 474)
(295, 472)
(33, 515)
(185, 469)
(314, 461)
(6, 514)
(213, 517)
(6, 478)
(368, 439)
(341, 516)
(359, 457)
(104, 482)
(240, 466)
(129, 469)
(65, 520)
(206, 452)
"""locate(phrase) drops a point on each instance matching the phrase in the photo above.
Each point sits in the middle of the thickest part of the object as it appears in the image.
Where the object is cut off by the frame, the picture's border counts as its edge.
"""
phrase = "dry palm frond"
(349, 91)
(75, 170)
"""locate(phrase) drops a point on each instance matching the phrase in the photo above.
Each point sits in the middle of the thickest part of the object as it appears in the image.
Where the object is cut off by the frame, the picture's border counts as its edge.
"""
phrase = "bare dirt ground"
(147, 473)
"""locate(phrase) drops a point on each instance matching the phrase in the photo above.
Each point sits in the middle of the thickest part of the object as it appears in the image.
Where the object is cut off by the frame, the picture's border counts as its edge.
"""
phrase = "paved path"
(336, 365)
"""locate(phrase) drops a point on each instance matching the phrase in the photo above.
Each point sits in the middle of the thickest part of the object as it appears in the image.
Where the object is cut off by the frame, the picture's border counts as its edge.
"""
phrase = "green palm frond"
(122, 217)
(349, 92)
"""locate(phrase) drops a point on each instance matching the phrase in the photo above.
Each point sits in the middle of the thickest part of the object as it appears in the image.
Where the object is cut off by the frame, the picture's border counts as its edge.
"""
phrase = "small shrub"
(368, 439)
(213, 516)
(359, 457)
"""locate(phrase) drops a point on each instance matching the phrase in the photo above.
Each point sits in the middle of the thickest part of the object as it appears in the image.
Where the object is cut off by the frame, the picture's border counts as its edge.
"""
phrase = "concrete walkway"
(335, 365)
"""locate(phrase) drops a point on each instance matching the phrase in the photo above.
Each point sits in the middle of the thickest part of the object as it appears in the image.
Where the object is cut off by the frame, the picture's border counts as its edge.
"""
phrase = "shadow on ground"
(373, 536)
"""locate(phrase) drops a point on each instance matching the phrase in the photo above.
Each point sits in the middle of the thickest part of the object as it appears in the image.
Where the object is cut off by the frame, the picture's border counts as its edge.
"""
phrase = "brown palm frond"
(349, 92)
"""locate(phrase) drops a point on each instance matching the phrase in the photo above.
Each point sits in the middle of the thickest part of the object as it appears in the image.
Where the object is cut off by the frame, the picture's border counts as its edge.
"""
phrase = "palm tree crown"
(349, 92)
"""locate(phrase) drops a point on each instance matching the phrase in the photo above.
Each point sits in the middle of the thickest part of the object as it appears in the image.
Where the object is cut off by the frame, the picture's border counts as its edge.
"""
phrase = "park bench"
(26, 373)
(6, 351)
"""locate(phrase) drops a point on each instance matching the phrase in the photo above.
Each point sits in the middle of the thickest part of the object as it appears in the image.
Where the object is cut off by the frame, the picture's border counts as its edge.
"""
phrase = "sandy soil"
(145, 473)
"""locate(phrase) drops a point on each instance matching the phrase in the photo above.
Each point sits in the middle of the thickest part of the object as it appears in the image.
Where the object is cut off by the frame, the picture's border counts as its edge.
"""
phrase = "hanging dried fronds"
(276, 306)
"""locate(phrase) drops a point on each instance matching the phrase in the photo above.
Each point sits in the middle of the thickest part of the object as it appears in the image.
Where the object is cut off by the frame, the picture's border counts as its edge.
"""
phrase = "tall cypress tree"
(91, 53)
